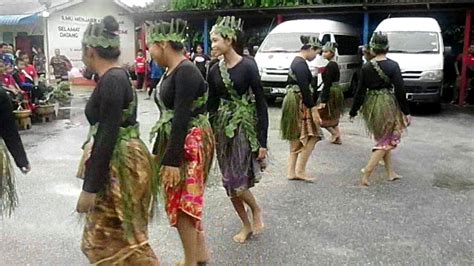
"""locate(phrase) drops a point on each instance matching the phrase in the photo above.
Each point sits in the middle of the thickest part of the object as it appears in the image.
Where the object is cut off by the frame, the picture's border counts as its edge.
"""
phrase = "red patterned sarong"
(188, 197)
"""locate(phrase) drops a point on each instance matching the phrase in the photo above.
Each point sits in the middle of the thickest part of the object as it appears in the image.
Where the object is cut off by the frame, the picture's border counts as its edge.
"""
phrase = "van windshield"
(283, 42)
(413, 42)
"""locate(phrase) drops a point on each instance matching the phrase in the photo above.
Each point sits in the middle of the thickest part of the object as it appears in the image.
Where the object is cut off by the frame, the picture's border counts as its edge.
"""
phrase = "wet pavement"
(424, 218)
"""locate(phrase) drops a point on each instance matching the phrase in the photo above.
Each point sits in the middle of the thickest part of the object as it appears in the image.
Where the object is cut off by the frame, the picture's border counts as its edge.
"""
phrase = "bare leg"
(257, 213)
(392, 175)
(337, 137)
(303, 159)
(189, 236)
(246, 230)
(292, 158)
(373, 161)
(202, 254)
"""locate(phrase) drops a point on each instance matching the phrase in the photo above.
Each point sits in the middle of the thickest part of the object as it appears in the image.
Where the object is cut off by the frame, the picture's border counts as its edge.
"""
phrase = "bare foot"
(393, 176)
(304, 177)
(181, 263)
(258, 224)
(365, 179)
(244, 234)
(336, 140)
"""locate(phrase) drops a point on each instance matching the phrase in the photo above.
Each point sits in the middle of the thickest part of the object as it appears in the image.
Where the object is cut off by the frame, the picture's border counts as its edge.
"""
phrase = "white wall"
(66, 28)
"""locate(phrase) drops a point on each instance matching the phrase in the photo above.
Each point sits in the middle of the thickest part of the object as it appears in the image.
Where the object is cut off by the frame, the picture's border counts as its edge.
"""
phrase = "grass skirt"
(116, 231)
(188, 197)
(8, 197)
(383, 118)
(334, 109)
(297, 120)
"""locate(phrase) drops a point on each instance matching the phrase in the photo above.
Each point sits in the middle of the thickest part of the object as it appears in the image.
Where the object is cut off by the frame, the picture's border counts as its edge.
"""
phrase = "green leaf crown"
(379, 41)
(163, 31)
(94, 37)
(228, 27)
(330, 46)
(311, 41)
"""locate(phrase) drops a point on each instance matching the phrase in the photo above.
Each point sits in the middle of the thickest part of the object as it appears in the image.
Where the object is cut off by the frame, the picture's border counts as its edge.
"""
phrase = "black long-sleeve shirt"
(304, 78)
(179, 90)
(330, 75)
(245, 76)
(370, 80)
(113, 94)
(9, 131)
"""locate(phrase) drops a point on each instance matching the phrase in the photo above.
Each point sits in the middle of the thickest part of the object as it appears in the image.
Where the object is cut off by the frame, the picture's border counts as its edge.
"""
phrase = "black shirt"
(201, 60)
(370, 80)
(9, 131)
(178, 91)
(300, 69)
(112, 95)
(244, 76)
(330, 75)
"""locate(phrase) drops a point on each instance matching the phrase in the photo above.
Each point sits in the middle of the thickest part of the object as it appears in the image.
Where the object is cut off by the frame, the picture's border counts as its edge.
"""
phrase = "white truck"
(282, 44)
(416, 44)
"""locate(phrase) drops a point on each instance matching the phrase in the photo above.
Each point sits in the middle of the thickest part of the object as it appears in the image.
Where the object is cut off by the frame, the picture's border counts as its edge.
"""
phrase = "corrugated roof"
(28, 7)
(18, 19)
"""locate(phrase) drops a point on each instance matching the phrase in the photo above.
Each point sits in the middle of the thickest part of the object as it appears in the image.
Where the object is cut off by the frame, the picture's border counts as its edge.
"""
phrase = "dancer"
(384, 106)
(184, 144)
(332, 97)
(9, 140)
(300, 118)
(240, 122)
(118, 172)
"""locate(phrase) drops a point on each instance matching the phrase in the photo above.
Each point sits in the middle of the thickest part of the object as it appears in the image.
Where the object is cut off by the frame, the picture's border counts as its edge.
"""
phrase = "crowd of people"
(208, 108)
(23, 75)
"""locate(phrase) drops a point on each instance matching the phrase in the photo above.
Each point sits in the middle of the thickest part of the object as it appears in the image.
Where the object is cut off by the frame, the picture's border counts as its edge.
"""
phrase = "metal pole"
(366, 28)
(467, 39)
(46, 48)
(205, 33)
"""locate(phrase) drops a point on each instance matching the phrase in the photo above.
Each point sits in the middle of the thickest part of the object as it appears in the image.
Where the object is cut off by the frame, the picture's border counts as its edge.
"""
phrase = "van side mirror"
(448, 50)
(255, 48)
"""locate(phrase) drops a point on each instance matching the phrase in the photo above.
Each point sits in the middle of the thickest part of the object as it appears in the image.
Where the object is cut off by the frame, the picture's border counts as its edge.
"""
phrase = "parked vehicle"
(282, 44)
(417, 45)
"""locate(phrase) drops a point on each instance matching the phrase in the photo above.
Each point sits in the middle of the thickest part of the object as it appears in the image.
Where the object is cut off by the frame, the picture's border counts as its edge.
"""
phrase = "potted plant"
(55, 94)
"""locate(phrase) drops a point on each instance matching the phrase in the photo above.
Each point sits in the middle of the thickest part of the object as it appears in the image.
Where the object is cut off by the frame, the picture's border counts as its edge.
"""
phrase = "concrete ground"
(425, 218)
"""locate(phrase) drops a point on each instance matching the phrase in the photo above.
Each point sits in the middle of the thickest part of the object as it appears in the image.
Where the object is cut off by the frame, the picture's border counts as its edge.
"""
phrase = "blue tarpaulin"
(18, 19)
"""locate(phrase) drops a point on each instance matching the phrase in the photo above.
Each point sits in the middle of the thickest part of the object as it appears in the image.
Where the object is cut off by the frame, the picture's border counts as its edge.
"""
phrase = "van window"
(326, 38)
(413, 42)
(347, 45)
(284, 42)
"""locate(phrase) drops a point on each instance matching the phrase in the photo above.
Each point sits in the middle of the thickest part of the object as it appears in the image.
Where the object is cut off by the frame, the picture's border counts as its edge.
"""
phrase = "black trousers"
(140, 80)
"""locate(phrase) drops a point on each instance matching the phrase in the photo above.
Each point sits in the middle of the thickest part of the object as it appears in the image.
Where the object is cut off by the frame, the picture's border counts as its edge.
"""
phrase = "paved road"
(425, 218)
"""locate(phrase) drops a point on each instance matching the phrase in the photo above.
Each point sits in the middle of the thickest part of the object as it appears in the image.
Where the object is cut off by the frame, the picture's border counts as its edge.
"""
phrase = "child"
(140, 69)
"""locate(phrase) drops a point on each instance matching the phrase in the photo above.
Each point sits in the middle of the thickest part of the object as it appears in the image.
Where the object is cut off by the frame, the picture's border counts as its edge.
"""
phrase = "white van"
(416, 44)
(282, 44)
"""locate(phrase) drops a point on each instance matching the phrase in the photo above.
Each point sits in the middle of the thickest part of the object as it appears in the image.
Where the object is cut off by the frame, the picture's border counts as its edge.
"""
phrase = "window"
(326, 38)
(283, 42)
(347, 45)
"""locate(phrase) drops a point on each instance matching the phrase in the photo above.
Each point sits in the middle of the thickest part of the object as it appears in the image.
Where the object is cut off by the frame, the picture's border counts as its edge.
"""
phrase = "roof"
(409, 24)
(29, 7)
(18, 19)
(314, 25)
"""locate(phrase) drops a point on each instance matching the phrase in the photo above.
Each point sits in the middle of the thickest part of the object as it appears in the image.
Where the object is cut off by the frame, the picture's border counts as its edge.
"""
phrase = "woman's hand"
(321, 106)
(25, 169)
(408, 120)
(171, 176)
(262, 153)
(86, 202)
